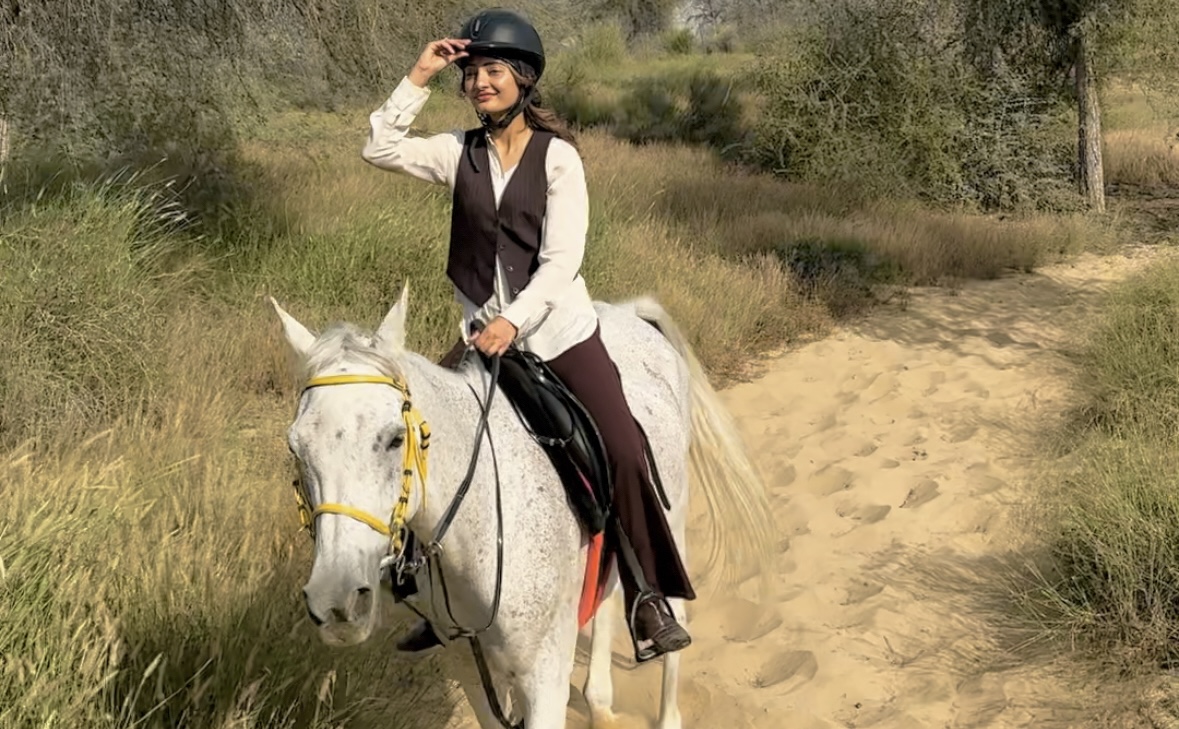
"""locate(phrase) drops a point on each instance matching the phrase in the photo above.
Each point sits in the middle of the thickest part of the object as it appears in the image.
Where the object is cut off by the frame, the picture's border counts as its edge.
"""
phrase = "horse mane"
(345, 343)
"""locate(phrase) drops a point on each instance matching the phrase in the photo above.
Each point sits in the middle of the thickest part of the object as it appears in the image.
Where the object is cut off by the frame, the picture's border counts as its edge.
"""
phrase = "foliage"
(638, 17)
(909, 115)
(1109, 512)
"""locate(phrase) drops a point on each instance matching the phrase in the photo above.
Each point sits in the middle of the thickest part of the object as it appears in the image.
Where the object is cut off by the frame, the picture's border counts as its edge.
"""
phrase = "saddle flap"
(560, 423)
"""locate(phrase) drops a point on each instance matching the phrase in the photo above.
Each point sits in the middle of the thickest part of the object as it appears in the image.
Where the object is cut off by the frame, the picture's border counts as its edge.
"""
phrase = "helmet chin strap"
(492, 125)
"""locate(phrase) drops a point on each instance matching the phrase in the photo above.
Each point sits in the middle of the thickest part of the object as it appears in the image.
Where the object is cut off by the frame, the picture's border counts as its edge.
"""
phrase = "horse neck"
(446, 402)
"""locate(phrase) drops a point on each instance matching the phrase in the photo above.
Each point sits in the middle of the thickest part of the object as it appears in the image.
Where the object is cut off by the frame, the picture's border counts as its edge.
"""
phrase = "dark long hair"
(546, 119)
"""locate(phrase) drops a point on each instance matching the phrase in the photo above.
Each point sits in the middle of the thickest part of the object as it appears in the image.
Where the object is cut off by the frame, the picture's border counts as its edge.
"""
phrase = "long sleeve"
(434, 158)
(562, 246)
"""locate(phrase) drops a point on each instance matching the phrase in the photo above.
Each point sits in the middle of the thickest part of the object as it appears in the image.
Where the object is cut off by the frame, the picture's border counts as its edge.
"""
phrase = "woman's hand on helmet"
(436, 56)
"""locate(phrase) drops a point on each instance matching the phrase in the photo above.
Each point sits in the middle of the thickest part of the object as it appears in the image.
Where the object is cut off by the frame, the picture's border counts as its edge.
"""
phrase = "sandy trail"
(894, 450)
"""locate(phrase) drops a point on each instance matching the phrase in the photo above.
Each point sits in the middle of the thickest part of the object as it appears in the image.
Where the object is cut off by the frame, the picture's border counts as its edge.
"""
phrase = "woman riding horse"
(517, 239)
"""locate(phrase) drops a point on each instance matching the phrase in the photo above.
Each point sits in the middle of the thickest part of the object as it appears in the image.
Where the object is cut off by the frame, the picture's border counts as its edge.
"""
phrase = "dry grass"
(1147, 157)
(151, 573)
(832, 243)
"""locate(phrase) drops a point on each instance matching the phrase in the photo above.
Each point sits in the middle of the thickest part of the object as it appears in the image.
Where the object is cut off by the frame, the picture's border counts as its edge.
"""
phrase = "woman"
(518, 228)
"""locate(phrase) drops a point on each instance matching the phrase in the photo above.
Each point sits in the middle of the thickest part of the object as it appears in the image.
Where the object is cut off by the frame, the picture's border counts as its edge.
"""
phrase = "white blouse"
(554, 311)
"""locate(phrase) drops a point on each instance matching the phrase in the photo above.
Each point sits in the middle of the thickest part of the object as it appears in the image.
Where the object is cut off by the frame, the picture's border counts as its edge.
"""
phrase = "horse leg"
(669, 707)
(544, 690)
(599, 688)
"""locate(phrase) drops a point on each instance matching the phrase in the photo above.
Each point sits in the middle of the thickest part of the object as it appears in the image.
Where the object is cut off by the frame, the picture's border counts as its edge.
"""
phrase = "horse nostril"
(364, 601)
(311, 613)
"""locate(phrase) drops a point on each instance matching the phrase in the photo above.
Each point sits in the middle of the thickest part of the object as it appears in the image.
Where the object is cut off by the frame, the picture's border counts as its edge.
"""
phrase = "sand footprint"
(977, 390)
(785, 666)
(936, 380)
(858, 593)
(985, 484)
(865, 450)
(866, 514)
(830, 480)
(921, 494)
(961, 432)
(887, 463)
(745, 621)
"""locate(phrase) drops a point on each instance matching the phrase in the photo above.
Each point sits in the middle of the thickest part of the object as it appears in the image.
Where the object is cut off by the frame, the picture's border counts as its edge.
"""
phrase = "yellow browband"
(417, 441)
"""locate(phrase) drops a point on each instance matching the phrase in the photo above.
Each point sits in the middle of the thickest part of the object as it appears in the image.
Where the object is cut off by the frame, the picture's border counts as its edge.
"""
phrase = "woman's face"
(490, 86)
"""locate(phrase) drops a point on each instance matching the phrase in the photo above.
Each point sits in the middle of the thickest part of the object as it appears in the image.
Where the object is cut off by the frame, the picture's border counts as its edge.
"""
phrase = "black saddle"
(563, 427)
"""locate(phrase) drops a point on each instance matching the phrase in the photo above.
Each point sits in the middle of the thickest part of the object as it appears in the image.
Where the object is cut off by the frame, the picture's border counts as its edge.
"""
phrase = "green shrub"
(679, 42)
(876, 98)
(699, 107)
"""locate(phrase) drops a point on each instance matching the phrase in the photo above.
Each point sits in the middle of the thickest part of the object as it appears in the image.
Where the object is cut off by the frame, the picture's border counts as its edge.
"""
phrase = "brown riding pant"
(589, 373)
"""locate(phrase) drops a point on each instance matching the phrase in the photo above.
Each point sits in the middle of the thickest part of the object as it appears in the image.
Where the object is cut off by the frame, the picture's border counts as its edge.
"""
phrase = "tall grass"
(1110, 566)
(1146, 157)
(151, 571)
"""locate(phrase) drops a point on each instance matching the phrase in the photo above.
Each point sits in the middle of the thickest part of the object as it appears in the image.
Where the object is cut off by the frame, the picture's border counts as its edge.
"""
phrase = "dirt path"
(894, 449)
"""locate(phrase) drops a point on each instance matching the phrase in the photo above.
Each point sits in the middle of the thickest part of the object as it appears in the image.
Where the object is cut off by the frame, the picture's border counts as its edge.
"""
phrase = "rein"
(417, 439)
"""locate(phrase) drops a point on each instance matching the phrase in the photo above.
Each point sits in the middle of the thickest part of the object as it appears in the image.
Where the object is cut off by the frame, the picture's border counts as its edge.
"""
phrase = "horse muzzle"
(344, 614)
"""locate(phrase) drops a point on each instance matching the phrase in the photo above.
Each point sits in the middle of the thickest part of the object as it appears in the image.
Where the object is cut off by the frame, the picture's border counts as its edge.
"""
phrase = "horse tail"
(741, 526)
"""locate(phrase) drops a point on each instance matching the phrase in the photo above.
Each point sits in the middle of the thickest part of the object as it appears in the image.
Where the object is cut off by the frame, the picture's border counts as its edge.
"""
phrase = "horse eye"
(396, 442)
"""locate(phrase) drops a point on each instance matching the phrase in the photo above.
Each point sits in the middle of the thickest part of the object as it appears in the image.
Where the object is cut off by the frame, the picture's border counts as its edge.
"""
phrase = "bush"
(700, 107)
(1109, 578)
(679, 42)
(602, 44)
(1131, 367)
(879, 97)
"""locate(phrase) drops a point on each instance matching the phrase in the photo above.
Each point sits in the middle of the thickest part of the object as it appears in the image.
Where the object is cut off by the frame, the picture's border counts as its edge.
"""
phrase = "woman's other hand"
(496, 337)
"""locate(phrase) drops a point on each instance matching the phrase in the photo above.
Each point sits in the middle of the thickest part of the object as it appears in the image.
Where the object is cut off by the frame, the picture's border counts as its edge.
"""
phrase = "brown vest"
(478, 231)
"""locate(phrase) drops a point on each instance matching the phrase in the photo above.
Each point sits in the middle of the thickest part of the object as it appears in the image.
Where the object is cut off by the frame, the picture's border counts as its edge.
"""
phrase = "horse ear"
(297, 335)
(391, 334)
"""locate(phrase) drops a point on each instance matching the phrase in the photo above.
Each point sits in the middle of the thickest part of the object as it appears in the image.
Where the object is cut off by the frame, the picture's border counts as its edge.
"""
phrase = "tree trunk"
(1092, 171)
(3, 141)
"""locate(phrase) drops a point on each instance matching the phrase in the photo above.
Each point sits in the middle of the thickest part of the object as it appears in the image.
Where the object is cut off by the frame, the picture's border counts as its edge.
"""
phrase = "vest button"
(515, 291)
(511, 269)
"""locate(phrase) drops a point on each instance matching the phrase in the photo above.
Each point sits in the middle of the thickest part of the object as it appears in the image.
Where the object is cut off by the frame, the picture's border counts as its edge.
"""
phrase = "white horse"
(514, 559)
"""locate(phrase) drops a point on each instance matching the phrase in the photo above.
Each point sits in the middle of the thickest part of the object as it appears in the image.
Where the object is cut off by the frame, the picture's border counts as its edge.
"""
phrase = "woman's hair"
(539, 116)
(536, 114)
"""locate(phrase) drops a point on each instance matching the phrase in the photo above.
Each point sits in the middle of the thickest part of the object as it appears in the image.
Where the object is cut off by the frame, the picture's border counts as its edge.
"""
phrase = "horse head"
(358, 449)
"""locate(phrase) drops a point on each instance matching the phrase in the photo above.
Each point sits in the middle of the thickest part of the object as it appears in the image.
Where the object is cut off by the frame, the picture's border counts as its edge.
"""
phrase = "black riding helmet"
(508, 36)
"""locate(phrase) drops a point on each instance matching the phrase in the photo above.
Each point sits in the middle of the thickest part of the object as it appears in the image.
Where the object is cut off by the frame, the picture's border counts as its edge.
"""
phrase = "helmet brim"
(489, 49)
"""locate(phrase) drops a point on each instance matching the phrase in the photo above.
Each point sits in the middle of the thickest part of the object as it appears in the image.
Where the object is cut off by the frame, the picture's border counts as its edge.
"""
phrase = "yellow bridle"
(413, 456)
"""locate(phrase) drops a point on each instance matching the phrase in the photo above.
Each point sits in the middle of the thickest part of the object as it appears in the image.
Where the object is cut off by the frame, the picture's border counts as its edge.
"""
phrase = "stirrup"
(668, 639)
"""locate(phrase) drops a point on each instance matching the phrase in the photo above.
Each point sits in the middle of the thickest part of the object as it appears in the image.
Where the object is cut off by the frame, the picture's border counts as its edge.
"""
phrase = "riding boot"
(653, 626)
(421, 637)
